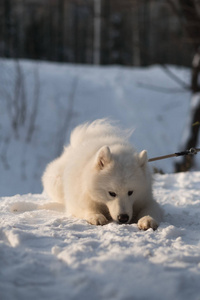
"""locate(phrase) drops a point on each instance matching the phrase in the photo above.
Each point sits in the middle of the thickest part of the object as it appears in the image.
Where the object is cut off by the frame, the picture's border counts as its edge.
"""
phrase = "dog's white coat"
(96, 174)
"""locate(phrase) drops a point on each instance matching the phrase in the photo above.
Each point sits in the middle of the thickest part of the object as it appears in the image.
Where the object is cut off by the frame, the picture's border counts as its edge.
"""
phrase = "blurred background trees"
(128, 32)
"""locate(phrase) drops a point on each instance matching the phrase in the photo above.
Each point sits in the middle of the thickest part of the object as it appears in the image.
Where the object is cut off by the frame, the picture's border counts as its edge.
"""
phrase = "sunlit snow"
(46, 255)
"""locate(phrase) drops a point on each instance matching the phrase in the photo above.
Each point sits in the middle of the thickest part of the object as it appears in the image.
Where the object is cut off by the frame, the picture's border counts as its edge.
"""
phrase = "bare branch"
(33, 115)
(182, 83)
(68, 116)
(161, 89)
(18, 103)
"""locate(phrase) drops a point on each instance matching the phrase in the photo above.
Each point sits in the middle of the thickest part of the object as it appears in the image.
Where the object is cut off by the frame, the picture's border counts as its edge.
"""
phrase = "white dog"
(100, 178)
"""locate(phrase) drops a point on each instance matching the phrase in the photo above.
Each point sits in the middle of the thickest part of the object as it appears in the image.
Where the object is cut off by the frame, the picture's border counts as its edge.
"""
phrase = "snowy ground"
(44, 254)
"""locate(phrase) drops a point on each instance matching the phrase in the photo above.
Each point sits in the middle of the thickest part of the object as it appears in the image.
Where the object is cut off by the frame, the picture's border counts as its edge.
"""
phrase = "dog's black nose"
(123, 218)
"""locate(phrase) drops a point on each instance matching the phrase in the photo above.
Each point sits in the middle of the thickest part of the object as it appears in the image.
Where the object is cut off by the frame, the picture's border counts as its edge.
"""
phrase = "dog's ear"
(103, 157)
(142, 157)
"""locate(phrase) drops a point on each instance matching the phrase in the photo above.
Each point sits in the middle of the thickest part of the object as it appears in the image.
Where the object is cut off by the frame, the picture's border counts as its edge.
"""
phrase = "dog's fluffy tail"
(101, 127)
(20, 207)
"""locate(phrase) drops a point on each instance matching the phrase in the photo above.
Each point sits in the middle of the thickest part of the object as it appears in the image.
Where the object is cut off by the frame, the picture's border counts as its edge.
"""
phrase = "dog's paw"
(97, 219)
(147, 222)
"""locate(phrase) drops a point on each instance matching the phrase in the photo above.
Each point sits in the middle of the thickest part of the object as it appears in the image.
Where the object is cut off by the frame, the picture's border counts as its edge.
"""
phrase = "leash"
(192, 151)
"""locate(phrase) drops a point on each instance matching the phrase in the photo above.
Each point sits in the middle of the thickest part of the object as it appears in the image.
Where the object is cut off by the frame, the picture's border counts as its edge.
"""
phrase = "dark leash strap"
(192, 151)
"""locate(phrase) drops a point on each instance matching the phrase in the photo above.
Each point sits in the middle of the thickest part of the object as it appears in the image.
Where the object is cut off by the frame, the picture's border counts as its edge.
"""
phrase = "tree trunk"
(192, 132)
(97, 32)
(192, 26)
(7, 29)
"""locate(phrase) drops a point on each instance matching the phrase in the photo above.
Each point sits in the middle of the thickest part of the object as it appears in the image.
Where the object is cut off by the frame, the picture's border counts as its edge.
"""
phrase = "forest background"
(106, 32)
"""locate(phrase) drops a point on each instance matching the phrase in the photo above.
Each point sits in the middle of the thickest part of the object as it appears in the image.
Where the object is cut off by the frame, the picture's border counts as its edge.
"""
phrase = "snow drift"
(45, 255)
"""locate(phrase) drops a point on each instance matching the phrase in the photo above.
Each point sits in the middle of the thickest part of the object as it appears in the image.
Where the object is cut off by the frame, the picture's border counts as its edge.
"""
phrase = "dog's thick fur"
(100, 177)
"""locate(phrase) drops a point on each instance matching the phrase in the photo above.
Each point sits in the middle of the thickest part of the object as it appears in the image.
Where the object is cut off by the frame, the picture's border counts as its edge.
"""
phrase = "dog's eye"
(112, 194)
(130, 193)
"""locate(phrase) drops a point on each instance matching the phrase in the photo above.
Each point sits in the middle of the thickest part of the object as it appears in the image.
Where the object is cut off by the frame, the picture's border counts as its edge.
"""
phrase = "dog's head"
(119, 178)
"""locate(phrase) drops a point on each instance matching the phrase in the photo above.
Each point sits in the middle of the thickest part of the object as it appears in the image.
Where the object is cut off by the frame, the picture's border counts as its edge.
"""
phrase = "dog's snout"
(123, 218)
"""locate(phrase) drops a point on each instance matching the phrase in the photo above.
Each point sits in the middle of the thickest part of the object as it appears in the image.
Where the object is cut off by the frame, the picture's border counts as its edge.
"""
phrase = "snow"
(46, 255)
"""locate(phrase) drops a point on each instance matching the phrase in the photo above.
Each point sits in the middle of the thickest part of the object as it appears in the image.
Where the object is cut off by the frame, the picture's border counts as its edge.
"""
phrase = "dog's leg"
(97, 213)
(150, 216)
(147, 222)
(96, 218)
(93, 212)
